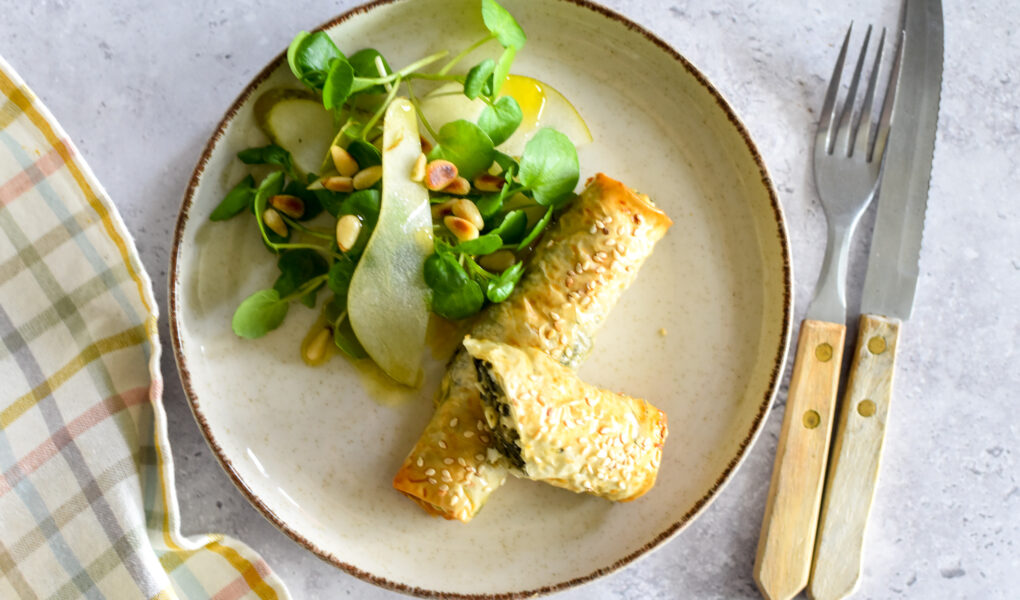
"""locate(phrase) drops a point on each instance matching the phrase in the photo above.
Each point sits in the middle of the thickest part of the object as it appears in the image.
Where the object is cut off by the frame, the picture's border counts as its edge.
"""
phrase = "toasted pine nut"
(418, 170)
(343, 161)
(442, 210)
(439, 174)
(466, 209)
(367, 177)
(458, 187)
(499, 261)
(338, 183)
(292, 206)
(274, 221)
(347, 230)
(489, 183)
(315, 351)
(462, 228)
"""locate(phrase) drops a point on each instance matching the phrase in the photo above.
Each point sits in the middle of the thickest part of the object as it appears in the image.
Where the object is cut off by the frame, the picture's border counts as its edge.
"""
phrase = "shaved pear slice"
(296, 121)
(388, 299)
(541, 106)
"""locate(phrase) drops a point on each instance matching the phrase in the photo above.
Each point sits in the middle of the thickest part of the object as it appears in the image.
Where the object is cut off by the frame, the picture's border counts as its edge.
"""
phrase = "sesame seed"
(481, 457)
(453, 422)
(446, 475)
(479, 425)
(433, 481)
(593, 229)
(555, 317)
(443, 487)
(461, 461)
(442, 444)
(599, 224)
(454, 500)
(421, 462)
(619, 230)
(485, 440)
(430, 471)
(468, 434)
(611, 242)
(447, 461)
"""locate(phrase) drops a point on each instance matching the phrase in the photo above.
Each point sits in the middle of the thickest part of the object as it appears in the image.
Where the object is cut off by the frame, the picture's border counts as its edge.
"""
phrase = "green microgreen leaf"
(500, 120)
(364, 65)
(502, 69)
(340, 274)
(454, 294)
(513, 227)
(536, 230)
(489, 204)
(480, 246)
(310, 56)
(259, 314)
(549, 167)
(337, 87)
(269, 155)
(477, 77)
(502, 24)
(366, 154)
(347, 341)
(298, 267)
(236, 200)
(330, 201)
(498, 289)
(464, 144)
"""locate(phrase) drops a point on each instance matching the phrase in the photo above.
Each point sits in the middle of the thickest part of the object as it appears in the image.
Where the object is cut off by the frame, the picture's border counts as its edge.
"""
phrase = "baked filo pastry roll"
(553, 427)
(577, 273)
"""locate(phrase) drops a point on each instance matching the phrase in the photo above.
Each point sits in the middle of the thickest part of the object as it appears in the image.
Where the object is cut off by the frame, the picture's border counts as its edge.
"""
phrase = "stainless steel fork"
(849, 147)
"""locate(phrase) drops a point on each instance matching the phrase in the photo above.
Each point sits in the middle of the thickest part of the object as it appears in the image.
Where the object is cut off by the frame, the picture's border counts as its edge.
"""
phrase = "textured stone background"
(140, 86)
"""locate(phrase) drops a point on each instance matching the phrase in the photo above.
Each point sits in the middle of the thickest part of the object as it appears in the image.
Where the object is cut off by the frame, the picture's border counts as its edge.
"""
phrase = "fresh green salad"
(397, 193)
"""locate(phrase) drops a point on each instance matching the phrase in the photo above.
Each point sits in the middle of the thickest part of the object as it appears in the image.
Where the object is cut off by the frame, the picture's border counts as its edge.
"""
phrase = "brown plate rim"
(669, 532)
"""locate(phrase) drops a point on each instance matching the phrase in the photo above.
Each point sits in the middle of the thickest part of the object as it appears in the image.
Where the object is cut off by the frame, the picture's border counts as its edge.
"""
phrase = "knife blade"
(891, 278)
(888, 298)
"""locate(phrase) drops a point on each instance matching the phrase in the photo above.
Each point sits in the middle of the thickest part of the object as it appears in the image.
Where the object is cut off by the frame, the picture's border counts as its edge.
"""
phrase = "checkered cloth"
(87, 500)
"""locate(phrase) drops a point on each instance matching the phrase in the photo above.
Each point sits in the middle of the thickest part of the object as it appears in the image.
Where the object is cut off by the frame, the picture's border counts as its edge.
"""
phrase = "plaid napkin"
(87, 500)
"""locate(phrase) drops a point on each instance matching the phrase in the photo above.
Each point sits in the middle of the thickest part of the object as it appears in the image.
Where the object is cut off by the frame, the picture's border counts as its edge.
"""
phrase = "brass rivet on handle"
(812, 419)
(866, 408)
(823, 352)
(876, 345)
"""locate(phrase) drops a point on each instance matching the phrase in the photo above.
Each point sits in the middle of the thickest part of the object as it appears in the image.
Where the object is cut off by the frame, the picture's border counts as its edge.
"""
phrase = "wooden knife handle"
(783, 560)
(850, 488)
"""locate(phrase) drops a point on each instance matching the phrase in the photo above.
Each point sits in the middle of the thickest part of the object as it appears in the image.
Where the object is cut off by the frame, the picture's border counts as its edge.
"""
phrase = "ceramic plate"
(702, 333)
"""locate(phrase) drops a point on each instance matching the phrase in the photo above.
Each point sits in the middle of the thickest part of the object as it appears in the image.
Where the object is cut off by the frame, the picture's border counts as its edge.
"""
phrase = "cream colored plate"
(315, 449)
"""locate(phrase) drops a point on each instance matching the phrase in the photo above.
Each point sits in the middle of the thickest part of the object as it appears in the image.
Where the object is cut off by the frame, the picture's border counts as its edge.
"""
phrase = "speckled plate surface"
(315, 449)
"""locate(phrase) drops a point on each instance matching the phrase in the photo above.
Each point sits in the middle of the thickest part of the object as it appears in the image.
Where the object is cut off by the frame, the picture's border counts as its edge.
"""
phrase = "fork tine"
(843, 131)
(885, 120)
(863, 124)
(824, 135)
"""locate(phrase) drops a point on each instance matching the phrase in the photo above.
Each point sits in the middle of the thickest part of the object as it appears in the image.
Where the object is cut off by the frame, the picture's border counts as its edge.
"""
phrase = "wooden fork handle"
(853, 475)
(783, 560)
